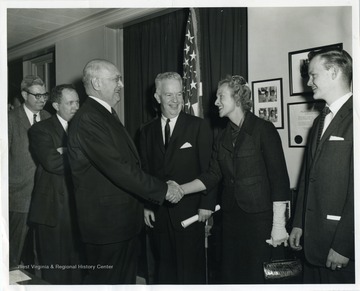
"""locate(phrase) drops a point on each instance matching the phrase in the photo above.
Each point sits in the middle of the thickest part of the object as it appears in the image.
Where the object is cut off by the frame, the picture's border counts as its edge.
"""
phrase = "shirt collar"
(102, 102)
(335, 106)
(30, 114)
(172, 120)
(63, 122)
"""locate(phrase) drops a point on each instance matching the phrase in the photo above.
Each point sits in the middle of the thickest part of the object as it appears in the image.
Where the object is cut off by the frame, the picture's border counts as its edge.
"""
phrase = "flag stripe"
(191, 67)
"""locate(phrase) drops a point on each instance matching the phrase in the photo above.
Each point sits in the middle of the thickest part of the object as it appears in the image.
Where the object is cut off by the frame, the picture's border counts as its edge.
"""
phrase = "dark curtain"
(223, 34)
(150, 47)
(156, 45)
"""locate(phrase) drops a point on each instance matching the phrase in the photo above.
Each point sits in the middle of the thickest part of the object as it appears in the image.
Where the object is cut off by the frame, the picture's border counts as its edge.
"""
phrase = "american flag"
(191, 72)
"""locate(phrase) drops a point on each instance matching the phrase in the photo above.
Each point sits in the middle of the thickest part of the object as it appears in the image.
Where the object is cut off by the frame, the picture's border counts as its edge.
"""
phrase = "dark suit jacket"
(107, 177)
(53, 176)
(254, 171)
(178, 164)
(327, 188)
(21, 164)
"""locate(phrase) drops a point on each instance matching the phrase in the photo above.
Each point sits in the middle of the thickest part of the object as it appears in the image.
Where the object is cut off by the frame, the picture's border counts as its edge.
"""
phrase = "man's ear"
(56, 106)
(157, 97)
(24, 95)
(96, 83)
(334, 72)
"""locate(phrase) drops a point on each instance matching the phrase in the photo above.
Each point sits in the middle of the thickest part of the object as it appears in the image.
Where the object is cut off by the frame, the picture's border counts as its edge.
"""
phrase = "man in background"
(21, 164)
(177, 146)
(110, 186)
(324, 214)
(52, 209)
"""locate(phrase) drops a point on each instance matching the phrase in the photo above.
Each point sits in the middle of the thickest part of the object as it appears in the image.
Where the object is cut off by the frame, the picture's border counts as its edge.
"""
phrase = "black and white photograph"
(179, 145)
(268, 100)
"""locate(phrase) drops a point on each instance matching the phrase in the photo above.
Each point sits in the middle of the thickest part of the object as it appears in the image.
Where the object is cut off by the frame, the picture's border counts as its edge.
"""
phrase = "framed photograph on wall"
(298, 69)
(301, 116)
(268, 101)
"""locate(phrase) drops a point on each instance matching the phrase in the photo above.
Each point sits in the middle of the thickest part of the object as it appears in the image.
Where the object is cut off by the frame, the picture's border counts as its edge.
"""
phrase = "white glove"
(279, 234)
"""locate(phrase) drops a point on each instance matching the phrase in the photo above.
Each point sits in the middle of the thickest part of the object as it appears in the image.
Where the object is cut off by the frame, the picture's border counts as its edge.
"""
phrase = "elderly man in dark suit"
(21, 164)
(110, 186)
(180, 155)
(324, 215)
(52, 206)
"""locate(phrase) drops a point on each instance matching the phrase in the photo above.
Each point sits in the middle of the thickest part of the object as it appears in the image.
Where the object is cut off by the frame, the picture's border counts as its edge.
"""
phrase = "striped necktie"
(324, 112)
(34, 118)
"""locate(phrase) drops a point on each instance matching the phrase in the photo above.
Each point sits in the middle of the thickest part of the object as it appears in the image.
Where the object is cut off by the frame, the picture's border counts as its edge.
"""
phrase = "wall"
(273, 33)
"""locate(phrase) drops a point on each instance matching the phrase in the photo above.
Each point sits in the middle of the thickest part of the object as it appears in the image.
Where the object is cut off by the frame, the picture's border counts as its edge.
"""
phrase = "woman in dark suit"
(249, 160)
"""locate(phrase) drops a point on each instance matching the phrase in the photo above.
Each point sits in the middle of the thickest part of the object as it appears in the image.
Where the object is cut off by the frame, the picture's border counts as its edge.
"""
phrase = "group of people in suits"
(92, 180)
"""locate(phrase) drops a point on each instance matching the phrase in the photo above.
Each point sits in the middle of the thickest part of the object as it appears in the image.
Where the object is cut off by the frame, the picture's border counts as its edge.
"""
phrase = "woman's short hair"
(242, 92)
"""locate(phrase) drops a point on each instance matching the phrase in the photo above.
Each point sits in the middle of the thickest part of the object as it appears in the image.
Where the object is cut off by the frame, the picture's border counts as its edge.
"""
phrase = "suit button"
(312, 180)
(232, 181)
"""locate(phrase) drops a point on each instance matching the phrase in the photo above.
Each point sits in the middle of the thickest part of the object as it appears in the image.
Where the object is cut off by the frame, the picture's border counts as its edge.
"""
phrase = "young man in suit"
(324, 214)
(180, 155)
(52, 209)
(21, 164)
(110, 186)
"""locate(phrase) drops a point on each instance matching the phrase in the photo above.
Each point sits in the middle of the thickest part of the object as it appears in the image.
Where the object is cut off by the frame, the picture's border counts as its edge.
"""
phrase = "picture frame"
(301, 116)
(268, 101)
(298, 69)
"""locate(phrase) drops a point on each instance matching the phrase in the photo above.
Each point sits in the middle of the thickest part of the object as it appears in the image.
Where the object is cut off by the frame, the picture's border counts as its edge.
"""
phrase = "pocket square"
(333, 217)
(336, 138)
(186, 145)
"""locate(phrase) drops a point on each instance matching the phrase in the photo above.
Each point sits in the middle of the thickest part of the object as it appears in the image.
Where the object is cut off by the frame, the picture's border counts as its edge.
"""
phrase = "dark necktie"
(34, 120)
(113, 112)
(234, 134)
(167, 133)
(324, 112)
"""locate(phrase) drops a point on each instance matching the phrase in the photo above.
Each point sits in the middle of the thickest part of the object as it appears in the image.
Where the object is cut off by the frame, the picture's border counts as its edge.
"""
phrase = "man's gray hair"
(166, 76)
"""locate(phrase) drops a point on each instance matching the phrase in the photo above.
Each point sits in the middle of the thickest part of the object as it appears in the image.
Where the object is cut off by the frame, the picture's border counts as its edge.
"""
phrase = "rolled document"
(185, 223)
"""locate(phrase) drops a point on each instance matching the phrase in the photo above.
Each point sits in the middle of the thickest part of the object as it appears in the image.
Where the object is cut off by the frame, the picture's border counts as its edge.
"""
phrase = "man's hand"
(336, 261)
(174, 193)
(149, 217)
(204, 214)
(294, 239)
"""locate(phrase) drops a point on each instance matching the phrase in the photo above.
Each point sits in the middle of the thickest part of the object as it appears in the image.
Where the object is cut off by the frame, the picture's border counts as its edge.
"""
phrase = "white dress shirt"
(171, 123)
(334, 108)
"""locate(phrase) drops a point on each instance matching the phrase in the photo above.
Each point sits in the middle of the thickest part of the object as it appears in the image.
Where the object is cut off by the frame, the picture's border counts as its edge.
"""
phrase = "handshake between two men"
(174, 193)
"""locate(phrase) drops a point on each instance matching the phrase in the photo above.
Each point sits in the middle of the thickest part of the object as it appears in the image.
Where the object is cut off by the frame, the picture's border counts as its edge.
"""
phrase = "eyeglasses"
(39, 96)
(117, 79)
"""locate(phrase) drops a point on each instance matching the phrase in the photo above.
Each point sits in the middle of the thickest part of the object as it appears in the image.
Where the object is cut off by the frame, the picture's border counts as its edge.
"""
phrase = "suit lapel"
(227, 142)
(59, 130)
(23, 119)
(159, 135)
(247, 128)
(178, 129)
(343, 112)
(116, 124)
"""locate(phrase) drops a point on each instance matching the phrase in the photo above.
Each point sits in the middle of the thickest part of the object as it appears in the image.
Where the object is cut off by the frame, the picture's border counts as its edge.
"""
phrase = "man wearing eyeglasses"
(21, 164)
(109, 185)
